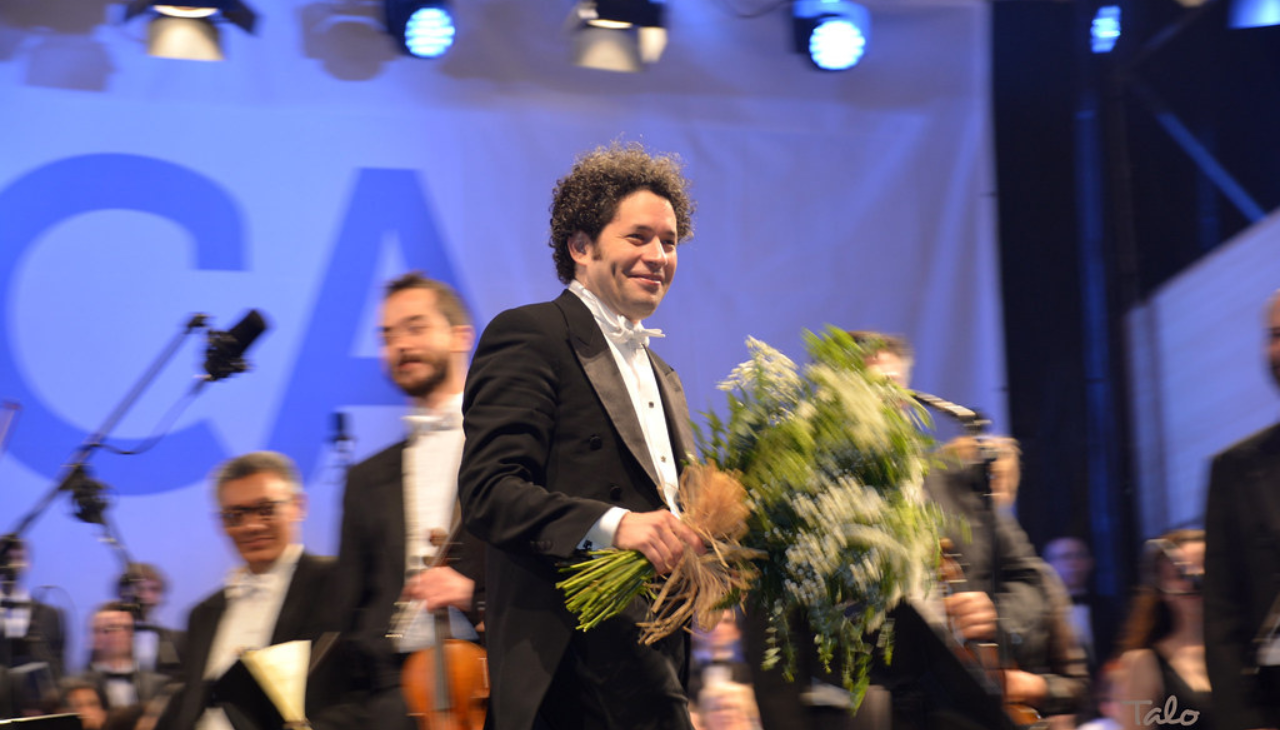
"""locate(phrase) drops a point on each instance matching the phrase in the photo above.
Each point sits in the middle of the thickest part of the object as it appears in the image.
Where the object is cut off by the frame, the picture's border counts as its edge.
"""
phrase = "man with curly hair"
(575, 434)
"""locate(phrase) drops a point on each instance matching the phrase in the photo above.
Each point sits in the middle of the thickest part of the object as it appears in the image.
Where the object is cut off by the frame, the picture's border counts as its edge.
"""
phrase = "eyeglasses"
(413, 328)
(265, 511)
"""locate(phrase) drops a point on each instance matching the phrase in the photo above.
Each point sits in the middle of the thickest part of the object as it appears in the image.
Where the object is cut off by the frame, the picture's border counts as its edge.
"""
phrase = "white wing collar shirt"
(431, 462)
(253, 605)
(628, 342)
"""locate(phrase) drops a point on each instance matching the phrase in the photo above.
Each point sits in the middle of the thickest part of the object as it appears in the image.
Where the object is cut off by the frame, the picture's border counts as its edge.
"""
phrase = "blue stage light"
(1253, 13)
(833, 33)
(836, 44)
(422, 28)
(429, 32)
(1105, 30)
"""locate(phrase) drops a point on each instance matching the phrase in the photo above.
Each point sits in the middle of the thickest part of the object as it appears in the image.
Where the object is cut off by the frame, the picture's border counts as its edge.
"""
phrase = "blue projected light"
(422, 28)
(833, 33)
(1105, 30)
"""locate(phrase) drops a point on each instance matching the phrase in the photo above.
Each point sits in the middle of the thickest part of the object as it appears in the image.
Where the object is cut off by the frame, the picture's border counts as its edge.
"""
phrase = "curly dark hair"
(587, 198)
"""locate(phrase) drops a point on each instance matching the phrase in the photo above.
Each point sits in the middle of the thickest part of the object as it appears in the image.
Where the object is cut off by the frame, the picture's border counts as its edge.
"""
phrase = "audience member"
(142, 588)
(111, 667)
(716, 655)
(85, 699)
(1164, 652)
(1094, 618)
(727, 705)
(1107, 686)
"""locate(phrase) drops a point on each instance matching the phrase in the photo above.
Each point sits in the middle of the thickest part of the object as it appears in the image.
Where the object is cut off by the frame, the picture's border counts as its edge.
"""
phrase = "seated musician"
(1033, 606)
(270, 598)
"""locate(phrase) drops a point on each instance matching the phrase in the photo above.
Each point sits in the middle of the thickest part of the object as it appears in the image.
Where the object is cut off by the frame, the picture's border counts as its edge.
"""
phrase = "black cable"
(161, 429)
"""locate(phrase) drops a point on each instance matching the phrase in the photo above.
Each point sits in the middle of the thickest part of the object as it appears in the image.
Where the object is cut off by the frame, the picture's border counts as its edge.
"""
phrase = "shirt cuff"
(601, 534)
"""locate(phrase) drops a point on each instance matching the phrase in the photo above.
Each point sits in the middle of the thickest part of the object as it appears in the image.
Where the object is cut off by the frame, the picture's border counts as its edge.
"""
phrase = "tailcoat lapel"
(676, 409)
(592, 351)
(1263, 479)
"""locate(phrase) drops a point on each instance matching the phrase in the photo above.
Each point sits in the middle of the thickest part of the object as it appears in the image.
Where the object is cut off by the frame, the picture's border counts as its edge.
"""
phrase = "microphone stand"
(86, 492)
(975, 426)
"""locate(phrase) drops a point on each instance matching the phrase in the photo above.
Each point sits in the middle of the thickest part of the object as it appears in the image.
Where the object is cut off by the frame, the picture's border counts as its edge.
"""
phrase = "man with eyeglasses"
(270, 598)
(392, 576)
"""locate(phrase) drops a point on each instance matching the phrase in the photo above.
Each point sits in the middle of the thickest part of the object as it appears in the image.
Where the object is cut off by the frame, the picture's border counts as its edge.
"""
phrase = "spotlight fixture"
(188, 31)
(618, 35)
(832, 33)
(1104, 31)
(1253, 13)
(422, 28)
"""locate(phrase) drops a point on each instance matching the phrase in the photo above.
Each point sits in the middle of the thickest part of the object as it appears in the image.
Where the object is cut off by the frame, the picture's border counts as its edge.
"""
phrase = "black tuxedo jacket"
(371, 571)
(170, 645)
(552, 442)
(45, 640)
(1242, 578)
(10, 697)
(147, 684)
(299, 618)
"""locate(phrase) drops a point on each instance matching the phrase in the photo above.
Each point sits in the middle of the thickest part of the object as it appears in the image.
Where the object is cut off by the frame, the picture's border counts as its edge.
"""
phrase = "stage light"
(422, 28)
(1253, 13)
(189, 31)
(1105, 30)
(832, 33)
(618, 35)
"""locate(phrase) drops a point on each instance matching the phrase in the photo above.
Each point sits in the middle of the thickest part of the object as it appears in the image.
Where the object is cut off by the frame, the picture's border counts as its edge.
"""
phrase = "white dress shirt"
(627, 341)
(431, 461)
(18, 618)
(253, 605)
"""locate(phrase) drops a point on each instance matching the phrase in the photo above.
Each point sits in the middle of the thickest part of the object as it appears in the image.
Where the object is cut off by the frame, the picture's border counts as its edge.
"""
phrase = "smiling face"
(245, 504)
(418, 342)
(631, 263)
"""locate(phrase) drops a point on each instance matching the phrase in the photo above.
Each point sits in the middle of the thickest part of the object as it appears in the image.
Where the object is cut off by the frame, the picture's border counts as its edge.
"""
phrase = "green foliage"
(832, 457)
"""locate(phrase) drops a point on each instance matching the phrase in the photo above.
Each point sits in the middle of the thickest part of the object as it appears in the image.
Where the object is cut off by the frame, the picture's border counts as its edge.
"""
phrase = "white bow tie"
(419, 424)
(243, 584)
(619, 329)
(630, 333)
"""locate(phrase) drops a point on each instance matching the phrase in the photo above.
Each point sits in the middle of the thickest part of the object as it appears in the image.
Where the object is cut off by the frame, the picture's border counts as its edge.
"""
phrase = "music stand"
(931, 685)
(44, 722)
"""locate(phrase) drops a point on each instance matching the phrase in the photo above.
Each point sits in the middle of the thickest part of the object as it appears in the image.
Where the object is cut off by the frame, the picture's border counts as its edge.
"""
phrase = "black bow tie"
(121, 676)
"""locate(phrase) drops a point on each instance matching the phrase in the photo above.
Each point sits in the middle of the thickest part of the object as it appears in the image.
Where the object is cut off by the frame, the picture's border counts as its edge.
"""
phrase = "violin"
(983, 655)
(445, 686)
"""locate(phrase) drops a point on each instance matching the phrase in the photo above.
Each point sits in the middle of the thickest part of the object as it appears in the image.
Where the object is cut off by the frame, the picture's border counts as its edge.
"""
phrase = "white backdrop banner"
(314, 164)
(1199, 373)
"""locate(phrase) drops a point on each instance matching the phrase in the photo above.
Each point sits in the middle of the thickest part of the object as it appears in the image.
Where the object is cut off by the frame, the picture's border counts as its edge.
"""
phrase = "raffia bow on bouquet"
(697, 588)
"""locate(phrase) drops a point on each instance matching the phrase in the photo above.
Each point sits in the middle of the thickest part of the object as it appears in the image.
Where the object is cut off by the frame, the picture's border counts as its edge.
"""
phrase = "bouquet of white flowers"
(829, 459)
